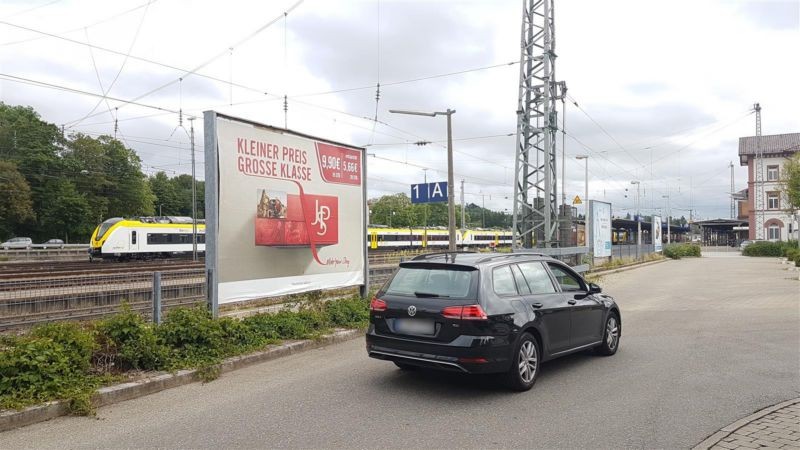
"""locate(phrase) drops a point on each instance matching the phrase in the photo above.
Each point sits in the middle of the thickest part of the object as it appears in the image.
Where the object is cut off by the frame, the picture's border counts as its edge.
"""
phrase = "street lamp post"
(638, 219)
(669, 217)
(585, 184)
(451, 204)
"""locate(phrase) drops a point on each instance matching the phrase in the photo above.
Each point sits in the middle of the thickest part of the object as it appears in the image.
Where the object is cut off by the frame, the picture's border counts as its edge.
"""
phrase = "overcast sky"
(669, 84)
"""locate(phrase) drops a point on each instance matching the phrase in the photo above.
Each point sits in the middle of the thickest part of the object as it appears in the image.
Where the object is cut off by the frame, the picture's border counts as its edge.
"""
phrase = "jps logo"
(323, 213)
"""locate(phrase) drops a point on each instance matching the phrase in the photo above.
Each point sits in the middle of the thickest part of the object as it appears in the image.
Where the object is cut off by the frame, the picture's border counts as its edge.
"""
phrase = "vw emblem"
(412, 310)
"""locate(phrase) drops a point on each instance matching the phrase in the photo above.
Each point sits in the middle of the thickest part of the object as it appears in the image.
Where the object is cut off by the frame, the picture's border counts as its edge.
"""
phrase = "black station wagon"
(495, 313)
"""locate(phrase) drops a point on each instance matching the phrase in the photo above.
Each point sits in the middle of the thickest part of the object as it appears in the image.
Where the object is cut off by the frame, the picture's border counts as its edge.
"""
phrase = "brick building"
(780, 222)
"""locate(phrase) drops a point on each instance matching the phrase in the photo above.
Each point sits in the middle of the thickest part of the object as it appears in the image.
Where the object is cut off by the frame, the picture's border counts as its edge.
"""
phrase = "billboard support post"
(363, 290)
(211, 208)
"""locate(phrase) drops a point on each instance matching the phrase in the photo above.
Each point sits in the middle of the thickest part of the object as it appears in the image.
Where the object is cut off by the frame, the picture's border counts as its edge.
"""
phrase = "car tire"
(404, 366)
(611, 336)
(526, 361)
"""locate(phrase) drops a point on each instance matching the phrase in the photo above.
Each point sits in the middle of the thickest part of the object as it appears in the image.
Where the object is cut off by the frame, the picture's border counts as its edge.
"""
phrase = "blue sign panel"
(429, 193)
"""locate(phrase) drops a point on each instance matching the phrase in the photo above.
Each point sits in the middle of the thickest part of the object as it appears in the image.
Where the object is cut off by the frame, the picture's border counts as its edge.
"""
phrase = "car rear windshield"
(434, 282)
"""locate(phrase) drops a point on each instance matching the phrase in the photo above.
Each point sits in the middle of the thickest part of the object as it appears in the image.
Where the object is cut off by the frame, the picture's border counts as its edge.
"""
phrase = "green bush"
(764, 248)
(678, 251)
(78, 342)
(239, 336)
(192, 333)
(352, 312)
(37, 369)
(127, 342)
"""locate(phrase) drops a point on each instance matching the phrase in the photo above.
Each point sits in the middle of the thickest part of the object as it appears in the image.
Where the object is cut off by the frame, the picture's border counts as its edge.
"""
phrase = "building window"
(774, 233)
(772, 173)
(772, 200)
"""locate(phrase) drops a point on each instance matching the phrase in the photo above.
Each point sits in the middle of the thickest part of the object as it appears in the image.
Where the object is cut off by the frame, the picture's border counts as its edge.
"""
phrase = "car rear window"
(433, 282)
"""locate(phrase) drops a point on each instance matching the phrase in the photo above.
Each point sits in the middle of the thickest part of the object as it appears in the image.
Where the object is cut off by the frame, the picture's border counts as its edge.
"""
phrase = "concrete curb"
(628, 267)
(11, 419)
(715, 438)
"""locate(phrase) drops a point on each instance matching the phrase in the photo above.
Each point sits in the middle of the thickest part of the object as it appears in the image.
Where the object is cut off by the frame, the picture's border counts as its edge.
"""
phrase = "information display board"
(600, 228)
(656, 233)
(285, 212)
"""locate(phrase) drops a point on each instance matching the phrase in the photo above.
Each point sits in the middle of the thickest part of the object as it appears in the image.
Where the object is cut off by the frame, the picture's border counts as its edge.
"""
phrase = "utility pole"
(638, 219)
(194, 193)
(425, 214)
(668, 211)
(733, 193)
(463, 215)
(535, 178)
(759, 181)
(483, 210)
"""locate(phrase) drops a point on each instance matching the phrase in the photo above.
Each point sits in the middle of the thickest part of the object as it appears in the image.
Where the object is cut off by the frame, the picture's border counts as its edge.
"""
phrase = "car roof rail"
(508, 256)
(425, 256)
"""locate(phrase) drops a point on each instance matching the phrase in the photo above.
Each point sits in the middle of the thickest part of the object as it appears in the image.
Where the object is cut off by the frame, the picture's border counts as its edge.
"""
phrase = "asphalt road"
(705, 342)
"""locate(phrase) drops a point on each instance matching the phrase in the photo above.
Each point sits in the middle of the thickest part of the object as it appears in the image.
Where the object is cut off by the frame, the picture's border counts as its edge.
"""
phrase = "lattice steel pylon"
(535, 189)
(759, 184)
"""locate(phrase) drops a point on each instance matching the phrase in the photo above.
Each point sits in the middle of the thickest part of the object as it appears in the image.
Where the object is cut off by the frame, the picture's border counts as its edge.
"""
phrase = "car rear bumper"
(467, 354)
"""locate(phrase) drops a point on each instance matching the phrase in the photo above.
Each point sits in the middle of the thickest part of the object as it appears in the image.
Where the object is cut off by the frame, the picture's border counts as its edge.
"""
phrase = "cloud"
(775, 14)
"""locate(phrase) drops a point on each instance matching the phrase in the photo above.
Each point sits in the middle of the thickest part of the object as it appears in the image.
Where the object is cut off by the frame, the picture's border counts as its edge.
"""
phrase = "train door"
(373, 239)
(425, 238)
(134, 241)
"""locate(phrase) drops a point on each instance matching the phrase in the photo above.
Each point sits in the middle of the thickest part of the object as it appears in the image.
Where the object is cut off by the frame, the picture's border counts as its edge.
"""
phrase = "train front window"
(105, 226)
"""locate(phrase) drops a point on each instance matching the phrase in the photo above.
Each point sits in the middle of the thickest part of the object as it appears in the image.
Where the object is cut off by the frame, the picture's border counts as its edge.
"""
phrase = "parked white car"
(17, 242)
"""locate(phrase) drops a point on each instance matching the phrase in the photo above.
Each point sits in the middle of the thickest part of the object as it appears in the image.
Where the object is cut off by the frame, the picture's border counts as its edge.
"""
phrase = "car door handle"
(572, 302)
(536, 305)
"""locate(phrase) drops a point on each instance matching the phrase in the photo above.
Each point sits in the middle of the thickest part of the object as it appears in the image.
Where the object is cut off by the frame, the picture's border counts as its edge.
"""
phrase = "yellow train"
(145, 237)
(380, 238)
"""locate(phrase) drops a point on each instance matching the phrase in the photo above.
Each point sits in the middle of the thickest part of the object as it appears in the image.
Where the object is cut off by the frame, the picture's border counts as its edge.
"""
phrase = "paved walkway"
(774, 427)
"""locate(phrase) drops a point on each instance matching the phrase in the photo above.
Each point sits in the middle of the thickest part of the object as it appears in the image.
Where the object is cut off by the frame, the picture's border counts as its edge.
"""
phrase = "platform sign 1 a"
(429, 192)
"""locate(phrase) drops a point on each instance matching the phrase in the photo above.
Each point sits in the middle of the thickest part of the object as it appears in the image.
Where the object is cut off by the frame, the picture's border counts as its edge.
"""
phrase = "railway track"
(32, 271)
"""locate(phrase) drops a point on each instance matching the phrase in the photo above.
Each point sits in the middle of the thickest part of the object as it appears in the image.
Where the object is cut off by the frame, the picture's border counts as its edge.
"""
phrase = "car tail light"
(470, 312)
(473, 360)
(377, 304)
(452, 312)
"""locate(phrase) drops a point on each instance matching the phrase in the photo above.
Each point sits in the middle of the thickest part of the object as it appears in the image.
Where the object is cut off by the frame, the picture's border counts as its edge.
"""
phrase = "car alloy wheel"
(611, 337)
(528, 361)
(612, 333)
(525, 366)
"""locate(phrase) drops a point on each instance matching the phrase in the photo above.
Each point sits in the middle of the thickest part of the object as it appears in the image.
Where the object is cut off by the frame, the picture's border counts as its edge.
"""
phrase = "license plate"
(415, 326)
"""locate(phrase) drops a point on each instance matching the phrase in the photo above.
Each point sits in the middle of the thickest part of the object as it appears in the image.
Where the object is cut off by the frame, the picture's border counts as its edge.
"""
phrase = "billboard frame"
(211, 148)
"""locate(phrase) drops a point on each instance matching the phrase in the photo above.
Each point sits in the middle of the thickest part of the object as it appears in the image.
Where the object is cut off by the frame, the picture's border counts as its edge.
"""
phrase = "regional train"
(146, 238)
(438, 237)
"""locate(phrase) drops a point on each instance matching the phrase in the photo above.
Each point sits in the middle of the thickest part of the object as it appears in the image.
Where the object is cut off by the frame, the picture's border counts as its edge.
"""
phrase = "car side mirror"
(594, 288)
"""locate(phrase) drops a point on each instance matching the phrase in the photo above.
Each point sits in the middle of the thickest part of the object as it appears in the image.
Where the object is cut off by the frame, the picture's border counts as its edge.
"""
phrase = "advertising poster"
(656, 233)
(290, 211)
(600, 219)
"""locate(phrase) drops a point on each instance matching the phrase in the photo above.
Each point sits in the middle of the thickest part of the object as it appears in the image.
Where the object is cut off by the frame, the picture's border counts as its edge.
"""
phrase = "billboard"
(285, 211)
(656, 233)
(600, 228)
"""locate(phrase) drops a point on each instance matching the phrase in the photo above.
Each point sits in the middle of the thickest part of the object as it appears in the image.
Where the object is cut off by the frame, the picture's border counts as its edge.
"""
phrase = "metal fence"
(83, 297)
(631, 251)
